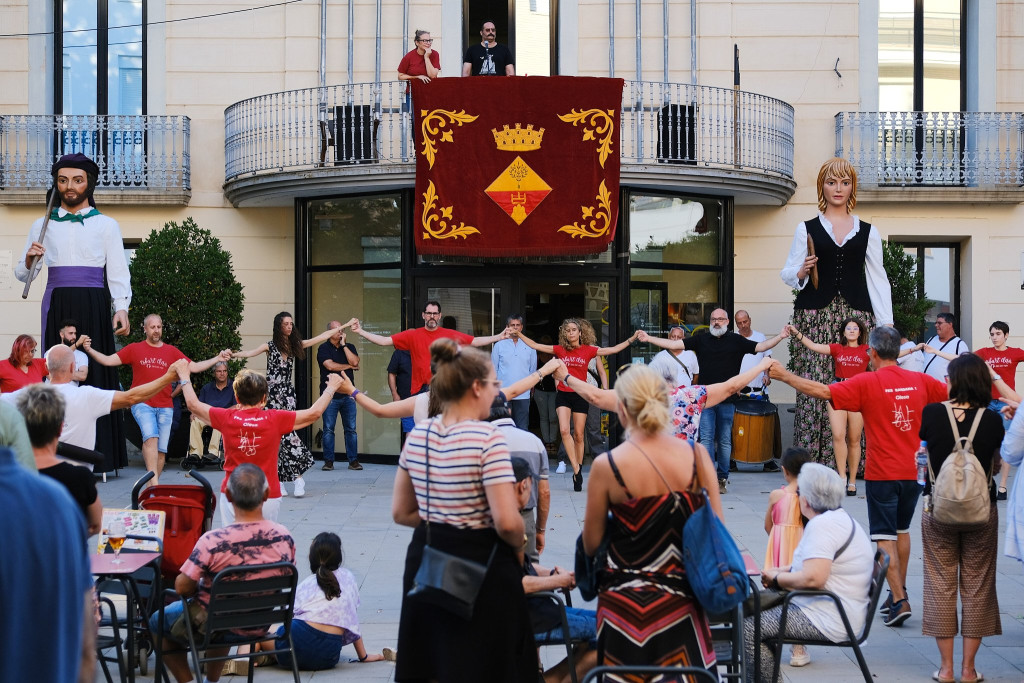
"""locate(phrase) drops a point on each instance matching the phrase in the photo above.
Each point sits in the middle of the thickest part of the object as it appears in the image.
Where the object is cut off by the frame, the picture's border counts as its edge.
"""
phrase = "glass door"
(473, 306)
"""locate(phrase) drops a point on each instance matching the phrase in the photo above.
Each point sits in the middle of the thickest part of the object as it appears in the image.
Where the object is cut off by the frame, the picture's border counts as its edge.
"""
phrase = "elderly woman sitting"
(834, 555)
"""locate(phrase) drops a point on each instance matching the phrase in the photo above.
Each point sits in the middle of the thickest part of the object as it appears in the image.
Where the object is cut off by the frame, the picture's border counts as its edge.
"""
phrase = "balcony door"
(527, 27)
(922, 89)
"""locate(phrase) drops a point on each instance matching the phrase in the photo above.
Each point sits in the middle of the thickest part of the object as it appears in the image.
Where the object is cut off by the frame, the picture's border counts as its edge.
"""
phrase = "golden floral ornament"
(441, 216)
(596, 123)
(596, 222)
(438, 121)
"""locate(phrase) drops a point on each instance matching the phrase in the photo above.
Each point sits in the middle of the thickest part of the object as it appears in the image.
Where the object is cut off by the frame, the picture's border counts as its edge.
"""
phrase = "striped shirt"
(464, 458)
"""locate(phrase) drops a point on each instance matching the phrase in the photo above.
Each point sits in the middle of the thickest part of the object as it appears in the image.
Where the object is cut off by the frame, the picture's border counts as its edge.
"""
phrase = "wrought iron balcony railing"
(369, 123)
(944, 149)
(140, 157)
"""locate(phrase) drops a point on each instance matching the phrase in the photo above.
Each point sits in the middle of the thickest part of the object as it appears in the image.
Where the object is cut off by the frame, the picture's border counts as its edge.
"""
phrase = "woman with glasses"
(639, 496)
(576, 348)
(423, 62)
(468, 499)
(850, 357)
(834, 554)
(835, 263)
(22, 368)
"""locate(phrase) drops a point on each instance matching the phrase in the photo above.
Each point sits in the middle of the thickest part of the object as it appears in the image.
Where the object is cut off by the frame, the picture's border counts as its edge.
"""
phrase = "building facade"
(284, 130)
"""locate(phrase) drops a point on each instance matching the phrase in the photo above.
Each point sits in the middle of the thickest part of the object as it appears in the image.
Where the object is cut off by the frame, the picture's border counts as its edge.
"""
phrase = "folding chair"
(246, 597)
(696, 674)
(881, 566)
(112, 640)
(566, 641)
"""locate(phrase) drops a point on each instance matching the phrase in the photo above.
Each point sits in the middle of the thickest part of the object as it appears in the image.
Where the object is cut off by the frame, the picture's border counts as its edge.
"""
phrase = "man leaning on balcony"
(86, 272)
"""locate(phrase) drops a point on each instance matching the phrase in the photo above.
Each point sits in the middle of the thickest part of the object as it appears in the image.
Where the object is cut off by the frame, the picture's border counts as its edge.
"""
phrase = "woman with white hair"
(834, 555)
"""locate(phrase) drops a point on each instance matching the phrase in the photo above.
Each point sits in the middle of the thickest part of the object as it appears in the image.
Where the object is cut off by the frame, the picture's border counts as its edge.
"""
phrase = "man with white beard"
(720, 355)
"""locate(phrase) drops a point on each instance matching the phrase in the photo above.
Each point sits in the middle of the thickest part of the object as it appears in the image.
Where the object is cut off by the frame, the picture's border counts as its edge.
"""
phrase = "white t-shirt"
(850, 576)
(665, 366)
(752, 359)
(81, 361)
(911, 361)
(936, 365)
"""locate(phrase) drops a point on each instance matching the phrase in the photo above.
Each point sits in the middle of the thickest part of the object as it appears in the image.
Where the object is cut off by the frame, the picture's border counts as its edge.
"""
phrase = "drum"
(756, 435)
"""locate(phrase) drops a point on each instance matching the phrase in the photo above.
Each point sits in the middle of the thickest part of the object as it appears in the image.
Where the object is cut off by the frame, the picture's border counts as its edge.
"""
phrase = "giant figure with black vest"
(87, 277)
(835, 262)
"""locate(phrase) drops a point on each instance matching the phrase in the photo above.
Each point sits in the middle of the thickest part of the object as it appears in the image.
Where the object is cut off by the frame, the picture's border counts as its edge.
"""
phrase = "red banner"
(514, 167)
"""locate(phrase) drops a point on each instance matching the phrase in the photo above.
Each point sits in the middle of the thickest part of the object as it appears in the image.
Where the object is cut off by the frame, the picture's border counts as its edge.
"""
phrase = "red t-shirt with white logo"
(850, 360)
(890, 400)
(252, 435)
(576, 362)
(1004, 363)
(150, 363)
(417, 342)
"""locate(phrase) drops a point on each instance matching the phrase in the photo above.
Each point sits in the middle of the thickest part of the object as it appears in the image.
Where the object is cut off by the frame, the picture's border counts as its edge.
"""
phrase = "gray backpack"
(960, 491)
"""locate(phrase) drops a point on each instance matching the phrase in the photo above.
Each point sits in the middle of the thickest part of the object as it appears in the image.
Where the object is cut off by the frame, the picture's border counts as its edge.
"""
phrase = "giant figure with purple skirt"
(87, 271)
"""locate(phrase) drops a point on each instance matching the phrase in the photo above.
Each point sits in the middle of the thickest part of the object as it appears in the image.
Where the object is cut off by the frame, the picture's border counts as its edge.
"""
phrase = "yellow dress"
(787, 530)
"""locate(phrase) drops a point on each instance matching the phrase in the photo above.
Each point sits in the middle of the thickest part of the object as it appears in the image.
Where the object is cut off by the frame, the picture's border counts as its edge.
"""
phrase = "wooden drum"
(756, 435)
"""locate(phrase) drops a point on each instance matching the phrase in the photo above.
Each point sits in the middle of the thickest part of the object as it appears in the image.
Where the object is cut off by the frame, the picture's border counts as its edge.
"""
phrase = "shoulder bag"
(445, 580)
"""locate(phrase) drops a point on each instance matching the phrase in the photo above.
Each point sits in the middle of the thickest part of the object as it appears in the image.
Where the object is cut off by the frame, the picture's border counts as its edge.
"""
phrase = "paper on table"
(136, 523)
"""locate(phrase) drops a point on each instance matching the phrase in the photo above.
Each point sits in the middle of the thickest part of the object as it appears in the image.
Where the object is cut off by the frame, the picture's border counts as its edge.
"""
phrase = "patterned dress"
(646, 612)
(293, 458)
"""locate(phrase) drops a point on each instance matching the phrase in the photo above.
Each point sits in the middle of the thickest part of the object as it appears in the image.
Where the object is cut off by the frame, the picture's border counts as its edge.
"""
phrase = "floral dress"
(293, 458)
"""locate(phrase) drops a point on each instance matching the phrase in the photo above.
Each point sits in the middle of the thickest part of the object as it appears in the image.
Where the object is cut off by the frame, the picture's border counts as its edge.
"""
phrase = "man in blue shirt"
(514, 360)
(47, 623)
(218, 394)
(334, 356)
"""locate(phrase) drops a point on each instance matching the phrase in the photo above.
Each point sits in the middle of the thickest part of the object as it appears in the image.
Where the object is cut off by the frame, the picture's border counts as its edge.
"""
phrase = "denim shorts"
(315, 650)
(582, 626)
(891, 506)
(171, 614)
(154, 423)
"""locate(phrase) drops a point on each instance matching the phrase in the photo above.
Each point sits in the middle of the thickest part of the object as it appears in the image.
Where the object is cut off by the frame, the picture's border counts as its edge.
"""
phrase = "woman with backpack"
(960, 552)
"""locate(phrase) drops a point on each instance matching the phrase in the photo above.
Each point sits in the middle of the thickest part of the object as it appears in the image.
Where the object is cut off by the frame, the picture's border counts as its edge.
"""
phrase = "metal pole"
(611, 38)
(350, 38)
(639, 33)
(736, 105)
(693, 42)
(664, 39)
(323, 44)
(376, 66)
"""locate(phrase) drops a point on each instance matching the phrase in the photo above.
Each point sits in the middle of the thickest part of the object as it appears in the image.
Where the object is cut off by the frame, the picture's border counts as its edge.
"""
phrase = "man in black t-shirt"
(720, 355)
(336, 356)
(488, 58)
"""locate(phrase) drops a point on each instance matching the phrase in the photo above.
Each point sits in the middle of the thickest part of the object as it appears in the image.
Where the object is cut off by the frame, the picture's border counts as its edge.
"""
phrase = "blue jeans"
(347, 407)
(521, 413)
(154, 423)
(716, 435)
(173, 612)
(996, 406)
(582, 626)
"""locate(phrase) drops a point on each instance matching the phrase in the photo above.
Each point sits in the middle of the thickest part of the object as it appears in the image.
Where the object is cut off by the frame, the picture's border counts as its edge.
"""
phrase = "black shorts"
(891, 506)
(573, 401)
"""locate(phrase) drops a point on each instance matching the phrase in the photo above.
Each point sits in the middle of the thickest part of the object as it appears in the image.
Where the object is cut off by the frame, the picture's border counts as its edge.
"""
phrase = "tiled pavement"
(357, 506)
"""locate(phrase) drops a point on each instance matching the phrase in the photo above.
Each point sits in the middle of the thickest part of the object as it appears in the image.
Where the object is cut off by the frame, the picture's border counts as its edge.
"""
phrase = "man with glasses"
(488, 58)
(943, 347)
(417, 342)
(720, 355)
(514, 360)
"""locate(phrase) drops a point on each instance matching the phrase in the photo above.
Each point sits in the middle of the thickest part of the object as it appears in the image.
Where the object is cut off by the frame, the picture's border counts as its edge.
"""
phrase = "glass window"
(533, 33)
(939, 54)
(470, 310)
(375, 297)
(665, 229)
(662, 299)
(355, 230)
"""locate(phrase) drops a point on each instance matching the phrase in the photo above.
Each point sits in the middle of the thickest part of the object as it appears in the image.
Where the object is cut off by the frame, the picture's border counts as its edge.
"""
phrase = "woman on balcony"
(835, 262)
(422, 63)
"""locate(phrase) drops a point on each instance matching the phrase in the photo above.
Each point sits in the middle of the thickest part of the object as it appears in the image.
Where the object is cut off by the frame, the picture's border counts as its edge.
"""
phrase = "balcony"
(357, 138)
(934, 156)
(142, 159)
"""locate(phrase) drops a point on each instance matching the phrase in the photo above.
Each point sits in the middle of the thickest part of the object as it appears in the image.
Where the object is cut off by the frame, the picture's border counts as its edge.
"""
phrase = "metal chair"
(727, 639)
(566, 641)
(106, 641)
(697, 675)
(881, 566)
(246, 597)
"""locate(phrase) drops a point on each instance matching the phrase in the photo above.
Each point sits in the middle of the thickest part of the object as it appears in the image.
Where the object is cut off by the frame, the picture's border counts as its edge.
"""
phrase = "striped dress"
(646, 612)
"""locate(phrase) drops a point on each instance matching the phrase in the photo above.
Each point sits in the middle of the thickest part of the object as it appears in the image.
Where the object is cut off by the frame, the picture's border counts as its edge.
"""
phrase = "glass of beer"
(115, 538)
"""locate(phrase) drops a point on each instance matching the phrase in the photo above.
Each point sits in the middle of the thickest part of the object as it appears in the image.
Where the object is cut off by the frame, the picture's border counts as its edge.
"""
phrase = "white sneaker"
(561, 467)
(300, 488)
(799, 656)
(284, 491)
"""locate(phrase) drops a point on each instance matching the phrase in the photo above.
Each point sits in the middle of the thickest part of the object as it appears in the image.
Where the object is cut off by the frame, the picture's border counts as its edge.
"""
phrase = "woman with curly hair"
(850, 356)
(835, 262)
(22, 368)
(284, 347)
(576, 348)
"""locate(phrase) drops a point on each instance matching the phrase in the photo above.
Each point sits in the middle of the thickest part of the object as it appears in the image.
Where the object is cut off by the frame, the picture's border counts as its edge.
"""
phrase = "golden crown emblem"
(518, 139)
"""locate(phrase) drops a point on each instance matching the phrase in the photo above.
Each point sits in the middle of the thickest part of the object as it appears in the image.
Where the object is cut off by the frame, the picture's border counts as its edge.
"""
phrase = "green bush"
(183, 274)
(906, 280)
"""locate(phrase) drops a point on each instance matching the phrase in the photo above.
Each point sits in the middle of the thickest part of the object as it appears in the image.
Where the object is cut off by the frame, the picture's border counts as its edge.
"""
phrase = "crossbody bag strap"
(426, 459)
(849, 539)
(935, 356)
(676, 359)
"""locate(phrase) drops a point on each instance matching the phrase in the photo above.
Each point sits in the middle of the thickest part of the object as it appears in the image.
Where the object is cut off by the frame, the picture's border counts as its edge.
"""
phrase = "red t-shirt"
(850, 360)
(252, 435)
(150, 363)
(417, 342)
(1003, 362)
(891, 400)
(576, 362)
(12, 379)
(414, 64)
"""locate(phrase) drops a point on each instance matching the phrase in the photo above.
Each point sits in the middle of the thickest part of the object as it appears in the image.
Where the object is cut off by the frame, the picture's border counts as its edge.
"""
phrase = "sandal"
(851, 489)
(1001, 493)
